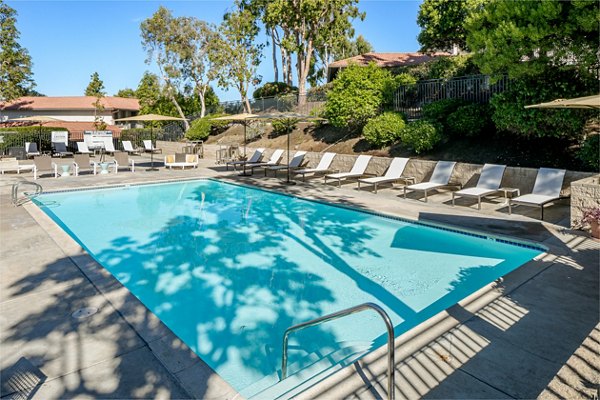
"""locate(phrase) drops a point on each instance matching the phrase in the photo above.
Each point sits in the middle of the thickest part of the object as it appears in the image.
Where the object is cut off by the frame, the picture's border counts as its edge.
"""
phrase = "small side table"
(103, 168)
(66, 170)
(512, 192)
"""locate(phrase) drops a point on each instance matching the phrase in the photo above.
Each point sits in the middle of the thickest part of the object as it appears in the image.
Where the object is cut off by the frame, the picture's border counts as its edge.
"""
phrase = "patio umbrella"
(41, 119)
(589, 102)
(294, 118)
(150, 118)
(238, 118)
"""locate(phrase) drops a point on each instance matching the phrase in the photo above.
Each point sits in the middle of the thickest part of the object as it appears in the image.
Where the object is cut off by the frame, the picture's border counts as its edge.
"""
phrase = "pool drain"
(84, 313)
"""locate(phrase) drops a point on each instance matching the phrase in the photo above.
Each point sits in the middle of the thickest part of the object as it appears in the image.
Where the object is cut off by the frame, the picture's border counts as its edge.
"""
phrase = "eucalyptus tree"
(157, 34)
(15, 62)
(235, 53)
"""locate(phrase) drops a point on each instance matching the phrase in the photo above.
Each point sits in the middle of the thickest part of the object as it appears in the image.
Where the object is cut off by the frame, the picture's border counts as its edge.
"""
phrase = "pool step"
(317, 367)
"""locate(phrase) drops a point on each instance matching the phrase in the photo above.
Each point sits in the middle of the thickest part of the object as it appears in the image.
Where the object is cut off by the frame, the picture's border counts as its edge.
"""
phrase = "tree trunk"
(274, 54)
(201, 95)
(288, 78)
(186, 124)
(303, 68)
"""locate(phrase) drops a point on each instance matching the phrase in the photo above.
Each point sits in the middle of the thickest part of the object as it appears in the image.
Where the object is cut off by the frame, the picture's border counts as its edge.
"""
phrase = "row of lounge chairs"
(81, 163)
(547, 187)
(60, 148)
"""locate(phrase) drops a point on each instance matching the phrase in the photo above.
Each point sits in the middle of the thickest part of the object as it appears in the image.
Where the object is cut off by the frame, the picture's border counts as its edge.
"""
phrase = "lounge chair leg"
(339, 183)
(509, 207)
(404, 191)
(452, 199)
(375, 188)
(542, 212)
(479, 202)
(425, 195)
(358, 182)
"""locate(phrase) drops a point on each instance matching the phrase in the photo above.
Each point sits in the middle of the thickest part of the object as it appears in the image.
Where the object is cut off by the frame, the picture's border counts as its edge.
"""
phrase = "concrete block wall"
(585, 194)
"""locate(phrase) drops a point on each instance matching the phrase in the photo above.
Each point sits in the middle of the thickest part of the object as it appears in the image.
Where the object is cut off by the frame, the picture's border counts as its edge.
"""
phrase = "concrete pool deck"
(534, 335)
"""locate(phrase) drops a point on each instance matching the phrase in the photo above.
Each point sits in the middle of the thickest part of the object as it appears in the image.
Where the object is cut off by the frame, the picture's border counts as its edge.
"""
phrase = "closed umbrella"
(150, 118)
(239, 118)
(589, 102)
(293, 118)
(41, 119)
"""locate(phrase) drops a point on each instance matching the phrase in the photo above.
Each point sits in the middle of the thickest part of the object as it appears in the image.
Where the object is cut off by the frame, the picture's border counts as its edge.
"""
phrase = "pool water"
(228, 268)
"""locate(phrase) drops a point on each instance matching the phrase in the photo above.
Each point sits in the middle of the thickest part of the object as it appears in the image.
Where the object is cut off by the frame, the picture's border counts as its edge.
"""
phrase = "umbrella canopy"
(150, 117)
(235, 117)
(589, 102)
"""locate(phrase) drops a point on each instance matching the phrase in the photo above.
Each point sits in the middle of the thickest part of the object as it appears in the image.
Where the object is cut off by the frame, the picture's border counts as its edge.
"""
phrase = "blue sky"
(69, 40)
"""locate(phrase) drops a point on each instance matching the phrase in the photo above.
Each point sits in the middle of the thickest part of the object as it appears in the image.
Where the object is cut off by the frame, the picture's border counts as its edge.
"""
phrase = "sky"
(70, 40)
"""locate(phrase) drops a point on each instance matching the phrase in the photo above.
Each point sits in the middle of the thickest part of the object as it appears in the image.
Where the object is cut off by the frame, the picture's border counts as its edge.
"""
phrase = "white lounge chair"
(546, 189)
(275, 157)
(31, 149)
(488, 184)
(181, 160)
(393, 174)
(128, 147)
(82, 148)
(322, 167)
(358, 170)
(295, 162)
(258, 153)
(121, 160)
(149, 147)
(44, 164)
(439, 179)
(109, 147)
(60, 149)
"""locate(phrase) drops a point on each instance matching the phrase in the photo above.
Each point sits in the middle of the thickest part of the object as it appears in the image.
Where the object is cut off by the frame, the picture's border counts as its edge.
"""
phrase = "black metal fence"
(410, 99)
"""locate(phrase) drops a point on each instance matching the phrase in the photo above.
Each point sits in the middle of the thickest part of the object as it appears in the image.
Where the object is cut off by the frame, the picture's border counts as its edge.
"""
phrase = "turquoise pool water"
(228, 268)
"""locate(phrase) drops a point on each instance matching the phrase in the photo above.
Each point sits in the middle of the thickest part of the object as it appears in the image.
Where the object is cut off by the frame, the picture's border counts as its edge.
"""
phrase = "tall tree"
(127, 92)
(236, 54)
(157, 33)
(442, 23)
(340, 49)
(95, 87)
(15, 62)
(527, 38)
(148, 92)
(309, 25)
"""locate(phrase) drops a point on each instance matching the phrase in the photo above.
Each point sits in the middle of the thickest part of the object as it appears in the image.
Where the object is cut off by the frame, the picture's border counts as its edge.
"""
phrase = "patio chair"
(295, 163)
(546, 189)
(357, 171)
(109, 147)
(121, 160)
(322, 167)
(274, 160)
(11, 164)
(82, 162)
(60, 149)
(128, 147)
(44, 164)
(393, 174)
(149, 147)
(31, 149)
(258, 153)
(82, 148)
(439, 179)
(488, 184)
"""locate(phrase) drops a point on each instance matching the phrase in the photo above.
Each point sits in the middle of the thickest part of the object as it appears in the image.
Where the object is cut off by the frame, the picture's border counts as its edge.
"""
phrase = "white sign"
(97, 139)
(60, 136)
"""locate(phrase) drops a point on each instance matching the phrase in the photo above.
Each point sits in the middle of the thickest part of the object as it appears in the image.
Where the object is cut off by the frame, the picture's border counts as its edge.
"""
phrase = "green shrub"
(283, 126)
(359, 94)
(384, 129)
(440, 110)
(444, 68)
(270, 89)
(470, 120)
(589, 152)
(202, 128)
(421, 135)
(17, 136)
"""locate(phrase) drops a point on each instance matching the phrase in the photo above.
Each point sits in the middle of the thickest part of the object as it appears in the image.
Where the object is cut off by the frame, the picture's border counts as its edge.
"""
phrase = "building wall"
(65, 115)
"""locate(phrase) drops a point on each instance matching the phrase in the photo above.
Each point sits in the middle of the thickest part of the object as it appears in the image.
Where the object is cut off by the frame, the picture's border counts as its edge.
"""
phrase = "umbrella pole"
(245, 161)
(288, 181)
(40, 139)
(151, 151)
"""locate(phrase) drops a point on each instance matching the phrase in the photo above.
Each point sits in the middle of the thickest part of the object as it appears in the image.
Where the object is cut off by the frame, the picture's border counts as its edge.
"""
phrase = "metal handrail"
(343, 313)
(15, 191)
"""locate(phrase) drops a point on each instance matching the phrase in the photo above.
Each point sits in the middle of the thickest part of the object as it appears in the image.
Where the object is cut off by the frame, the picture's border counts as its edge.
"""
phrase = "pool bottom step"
(318, 367)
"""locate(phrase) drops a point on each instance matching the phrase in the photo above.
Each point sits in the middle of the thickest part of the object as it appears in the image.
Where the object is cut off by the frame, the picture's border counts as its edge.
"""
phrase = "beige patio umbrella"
(293, 117)
(150, 118)
(589, 102)
(239, 118)
(42, 119)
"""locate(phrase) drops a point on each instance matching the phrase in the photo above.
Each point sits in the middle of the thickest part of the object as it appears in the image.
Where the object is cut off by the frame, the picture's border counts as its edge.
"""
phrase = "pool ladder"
(15, 192)
(344, 313)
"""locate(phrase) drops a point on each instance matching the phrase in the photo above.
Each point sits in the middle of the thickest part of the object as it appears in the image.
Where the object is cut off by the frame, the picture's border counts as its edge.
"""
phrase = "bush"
(470, 120)
(589, 152)
(421, 135)
(384, 129)
(283, 126)
(444, 68)
(440, 110)
(202, 128)
(270, 89)
(359, 94)
(18, 135)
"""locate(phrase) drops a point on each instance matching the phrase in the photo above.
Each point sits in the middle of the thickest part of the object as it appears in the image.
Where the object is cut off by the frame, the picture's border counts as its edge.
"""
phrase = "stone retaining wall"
(585, 194)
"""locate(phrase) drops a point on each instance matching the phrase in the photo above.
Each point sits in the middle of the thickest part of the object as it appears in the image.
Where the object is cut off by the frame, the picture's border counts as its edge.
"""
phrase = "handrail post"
(343, 313)
(15, 190)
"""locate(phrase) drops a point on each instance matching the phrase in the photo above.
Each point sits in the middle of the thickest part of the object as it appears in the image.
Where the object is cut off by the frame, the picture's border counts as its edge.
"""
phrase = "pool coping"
(163, 342)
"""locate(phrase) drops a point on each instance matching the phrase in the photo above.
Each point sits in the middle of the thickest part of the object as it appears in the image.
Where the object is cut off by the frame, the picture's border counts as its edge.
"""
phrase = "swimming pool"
(228, 268)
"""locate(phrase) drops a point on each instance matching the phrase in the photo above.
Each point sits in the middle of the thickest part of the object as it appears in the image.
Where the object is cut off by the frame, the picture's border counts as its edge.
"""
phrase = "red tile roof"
(70, 103)
(387, 59)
